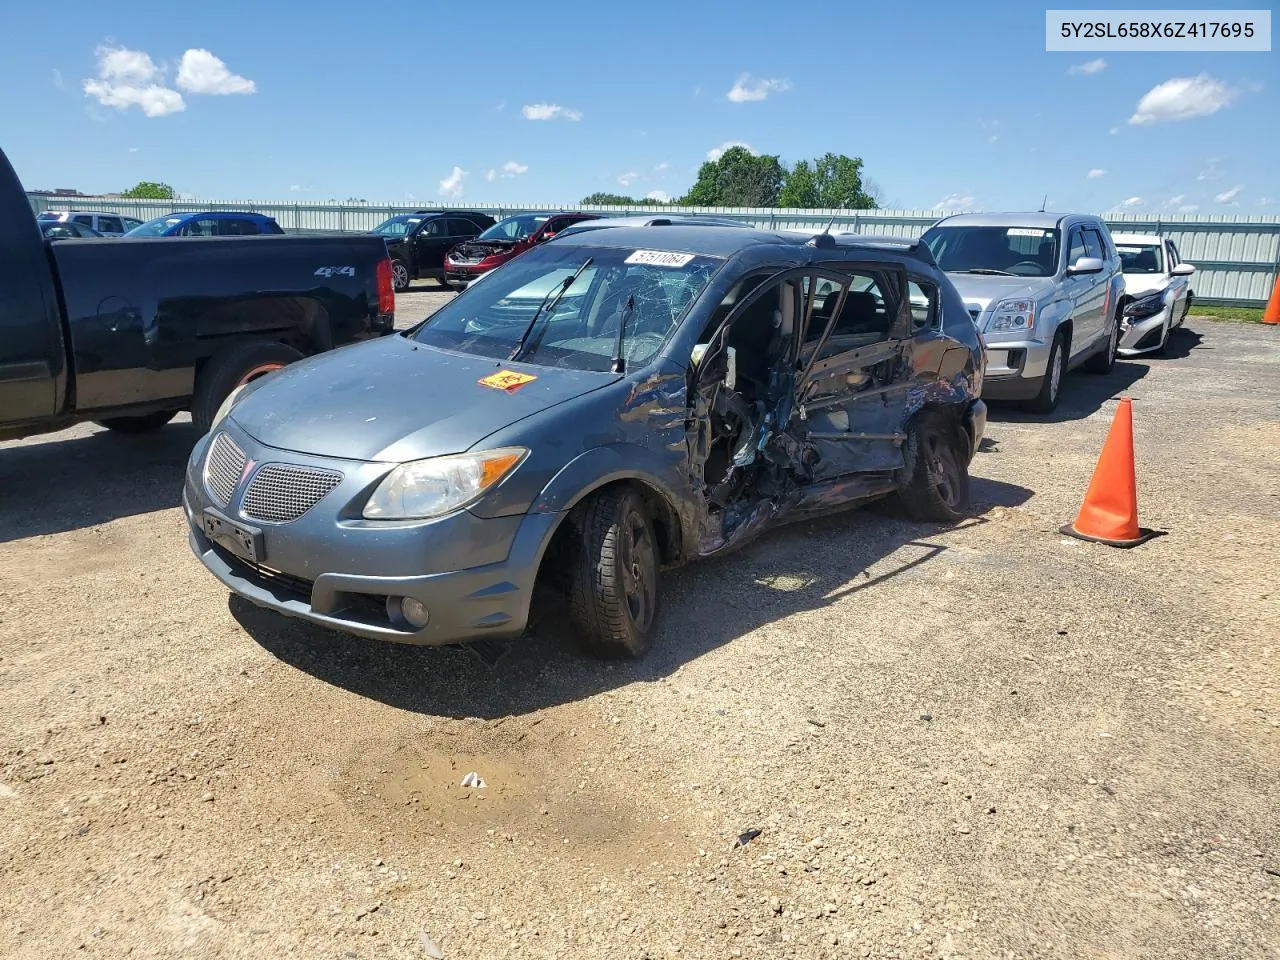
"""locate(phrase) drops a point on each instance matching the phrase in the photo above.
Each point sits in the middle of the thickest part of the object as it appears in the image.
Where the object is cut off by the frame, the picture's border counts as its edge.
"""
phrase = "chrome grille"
(280, 492)
(223, 468)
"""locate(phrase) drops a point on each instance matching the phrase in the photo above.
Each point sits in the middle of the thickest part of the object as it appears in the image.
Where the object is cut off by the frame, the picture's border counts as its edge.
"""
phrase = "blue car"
(210, 224)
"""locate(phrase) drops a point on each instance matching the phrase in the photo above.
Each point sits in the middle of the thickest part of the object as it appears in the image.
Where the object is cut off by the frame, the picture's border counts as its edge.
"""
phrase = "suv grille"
(279, 492)
(223, 468)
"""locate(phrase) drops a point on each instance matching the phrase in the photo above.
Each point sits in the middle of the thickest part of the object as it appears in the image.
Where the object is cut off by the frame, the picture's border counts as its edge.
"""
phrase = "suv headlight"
(1012, 315)
(1147, 306)
(422, 489)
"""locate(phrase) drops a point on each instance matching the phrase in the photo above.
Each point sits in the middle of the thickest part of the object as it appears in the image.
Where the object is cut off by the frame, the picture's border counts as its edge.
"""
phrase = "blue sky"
(955, 105)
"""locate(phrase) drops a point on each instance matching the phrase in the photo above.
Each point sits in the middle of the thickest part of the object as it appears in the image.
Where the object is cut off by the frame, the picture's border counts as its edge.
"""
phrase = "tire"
(613, 575)
(446, 284)
(1046, 401)
(935, 478)
(400, 275)
(1164, 336)
(1186, 310)
(145, 423)
(236, 366)
(1102, 363)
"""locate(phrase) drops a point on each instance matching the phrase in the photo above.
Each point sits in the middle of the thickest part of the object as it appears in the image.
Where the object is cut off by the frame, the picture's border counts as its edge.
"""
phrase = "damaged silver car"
(602, 407)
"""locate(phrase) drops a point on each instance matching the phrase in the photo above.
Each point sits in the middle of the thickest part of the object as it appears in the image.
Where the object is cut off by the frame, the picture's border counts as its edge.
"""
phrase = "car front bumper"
(1142, 336)
(463, 272)
(475, 576)
(1015, 369)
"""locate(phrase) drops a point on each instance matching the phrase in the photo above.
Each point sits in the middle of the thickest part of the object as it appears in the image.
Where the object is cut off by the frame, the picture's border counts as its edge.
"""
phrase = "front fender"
(612, 462)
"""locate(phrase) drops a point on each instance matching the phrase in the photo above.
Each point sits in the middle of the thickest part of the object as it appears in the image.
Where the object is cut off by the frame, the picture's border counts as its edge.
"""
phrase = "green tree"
(832, 181)
(150, 190)
(738, 178)
(611, 199)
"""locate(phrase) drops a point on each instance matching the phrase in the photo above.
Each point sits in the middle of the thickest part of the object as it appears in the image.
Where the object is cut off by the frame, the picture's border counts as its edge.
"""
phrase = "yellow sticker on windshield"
(507, 380)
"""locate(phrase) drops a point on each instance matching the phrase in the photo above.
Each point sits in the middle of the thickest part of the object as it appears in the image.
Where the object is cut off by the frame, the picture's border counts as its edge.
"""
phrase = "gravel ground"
(984, 741)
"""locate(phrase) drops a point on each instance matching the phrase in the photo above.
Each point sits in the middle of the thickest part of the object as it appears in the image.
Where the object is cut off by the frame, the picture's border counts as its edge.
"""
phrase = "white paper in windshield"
(659, 258)
(1026, 232)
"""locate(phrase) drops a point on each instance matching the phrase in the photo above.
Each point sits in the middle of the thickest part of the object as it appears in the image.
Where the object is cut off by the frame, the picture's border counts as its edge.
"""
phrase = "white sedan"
(1157, 291)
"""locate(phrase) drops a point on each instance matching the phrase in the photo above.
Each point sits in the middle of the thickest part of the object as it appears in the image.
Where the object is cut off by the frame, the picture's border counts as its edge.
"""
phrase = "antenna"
(1044, 203)
(831, 223)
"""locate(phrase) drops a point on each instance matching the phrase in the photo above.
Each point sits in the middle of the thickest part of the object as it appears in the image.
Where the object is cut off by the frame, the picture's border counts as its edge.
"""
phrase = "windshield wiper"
(553, 293)
(616, 363)
(988, 271)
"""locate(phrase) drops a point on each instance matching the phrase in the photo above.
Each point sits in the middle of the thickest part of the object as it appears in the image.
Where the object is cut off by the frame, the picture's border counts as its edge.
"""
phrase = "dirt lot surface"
(985, 741)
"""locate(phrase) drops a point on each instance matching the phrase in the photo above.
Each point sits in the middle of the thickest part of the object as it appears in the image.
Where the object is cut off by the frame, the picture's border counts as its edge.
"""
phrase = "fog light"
(408, 610)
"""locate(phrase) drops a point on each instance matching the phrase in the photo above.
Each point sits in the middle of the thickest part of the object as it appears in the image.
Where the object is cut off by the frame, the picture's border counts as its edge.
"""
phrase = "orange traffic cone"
(1109, 513)
(1272, 313)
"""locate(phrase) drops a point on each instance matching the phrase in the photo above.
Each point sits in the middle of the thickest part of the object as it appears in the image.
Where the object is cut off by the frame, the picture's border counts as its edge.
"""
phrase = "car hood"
(395, 400)
(979, 290)
(1140, 284)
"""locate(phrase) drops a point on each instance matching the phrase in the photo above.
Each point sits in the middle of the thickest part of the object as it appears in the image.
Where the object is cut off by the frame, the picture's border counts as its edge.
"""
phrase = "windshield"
(1016, 251)
(1140, 258)
(155, 228)
(397, 226)
(652, 289)
(514, 228)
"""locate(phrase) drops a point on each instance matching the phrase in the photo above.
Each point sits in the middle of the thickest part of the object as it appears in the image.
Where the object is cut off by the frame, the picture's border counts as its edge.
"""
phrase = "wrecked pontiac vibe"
(603, 407)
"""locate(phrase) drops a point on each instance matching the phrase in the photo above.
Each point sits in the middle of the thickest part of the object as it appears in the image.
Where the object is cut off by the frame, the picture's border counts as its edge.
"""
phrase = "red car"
(505, 239)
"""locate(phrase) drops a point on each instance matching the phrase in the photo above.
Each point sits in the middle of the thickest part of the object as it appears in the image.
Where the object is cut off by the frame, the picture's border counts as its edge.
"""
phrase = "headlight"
(1148, 306)
(1012, 315)
(422, 489)
(227, 404)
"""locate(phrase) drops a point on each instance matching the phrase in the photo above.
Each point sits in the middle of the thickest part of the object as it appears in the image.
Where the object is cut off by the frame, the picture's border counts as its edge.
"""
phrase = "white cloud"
(1095, 173)
(1129, 203)
(491, 175)
(129, 78)
(628, 178)
(57, 80)
(1189, 208)
(1183, 98)
(993, 138)
(747, 88)
(1113, 131)
(295, 187)
(513, 169)
(1229, 196)
(133, 149)
(1088, 68)
(660, 195)
(451, 186)
(715, 153)
(955, 201)
(201, 72)
(662, 166)
(1265, 201)
(1177, 198)
(1211, 170)
(549, 111)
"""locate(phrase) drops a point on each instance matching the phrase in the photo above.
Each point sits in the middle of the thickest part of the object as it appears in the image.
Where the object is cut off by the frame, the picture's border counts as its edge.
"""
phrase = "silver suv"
(107, 224)
(1044, 290)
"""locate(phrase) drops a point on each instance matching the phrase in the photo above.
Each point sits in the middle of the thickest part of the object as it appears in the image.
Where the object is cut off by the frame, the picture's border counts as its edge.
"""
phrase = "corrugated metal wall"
(1238, 258)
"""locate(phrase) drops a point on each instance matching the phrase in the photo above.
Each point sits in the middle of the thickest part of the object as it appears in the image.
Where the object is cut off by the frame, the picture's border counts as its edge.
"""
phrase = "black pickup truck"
(128, 332)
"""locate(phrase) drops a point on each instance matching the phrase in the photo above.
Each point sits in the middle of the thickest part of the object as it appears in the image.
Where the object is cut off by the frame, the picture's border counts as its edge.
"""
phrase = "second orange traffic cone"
(1272, 313)
(1109, 513)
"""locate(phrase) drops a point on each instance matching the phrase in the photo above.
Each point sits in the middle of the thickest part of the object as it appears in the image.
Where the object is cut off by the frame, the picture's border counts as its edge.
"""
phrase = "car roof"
(721, 241)
(76, 213)
(213, 213)
(1148, 239)
(1035, 219)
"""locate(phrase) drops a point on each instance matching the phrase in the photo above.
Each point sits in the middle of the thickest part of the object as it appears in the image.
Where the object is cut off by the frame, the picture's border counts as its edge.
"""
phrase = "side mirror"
(546, 237)
(1085, 265)
(1183, 270)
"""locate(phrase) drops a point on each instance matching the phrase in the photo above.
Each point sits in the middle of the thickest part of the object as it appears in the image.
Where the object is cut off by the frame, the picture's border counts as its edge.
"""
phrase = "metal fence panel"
(1237, 258)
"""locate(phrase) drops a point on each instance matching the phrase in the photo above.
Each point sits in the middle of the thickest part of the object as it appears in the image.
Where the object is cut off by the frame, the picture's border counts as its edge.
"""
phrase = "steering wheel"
(1027, 263)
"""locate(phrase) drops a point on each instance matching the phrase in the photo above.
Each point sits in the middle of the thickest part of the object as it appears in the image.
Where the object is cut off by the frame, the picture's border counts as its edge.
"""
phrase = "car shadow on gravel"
(59, 484)
(801, 567)
(1083, 394)
(1180, 344)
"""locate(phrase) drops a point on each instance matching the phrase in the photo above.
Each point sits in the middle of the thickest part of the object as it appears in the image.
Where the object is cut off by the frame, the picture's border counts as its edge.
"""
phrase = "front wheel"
(145, 423)
(935, 474)
(613, 575)
(400, 278)
(1046, 400)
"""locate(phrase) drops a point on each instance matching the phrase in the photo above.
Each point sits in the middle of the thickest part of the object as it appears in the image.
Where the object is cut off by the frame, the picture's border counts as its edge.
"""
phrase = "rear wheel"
(613, 574)
(1104, 361)
(145, 423)
(1046, 401)
(936, 473)
(400, 277)
(444, 282)
(240, 364)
